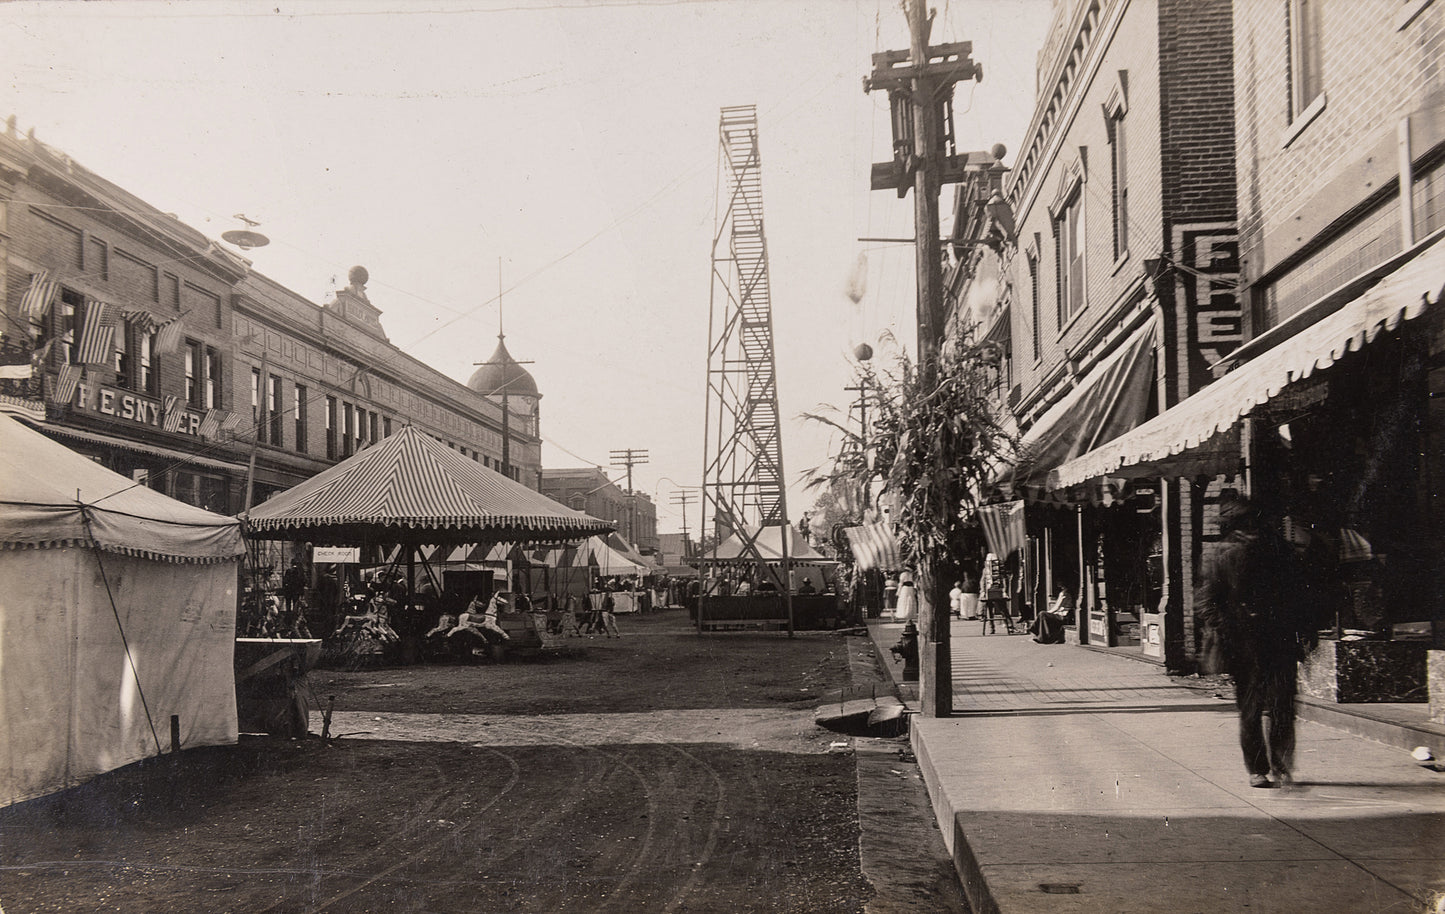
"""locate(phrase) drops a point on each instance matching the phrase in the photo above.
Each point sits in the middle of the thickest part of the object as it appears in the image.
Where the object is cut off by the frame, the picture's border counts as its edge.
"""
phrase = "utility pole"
(683, 498)
(920, 90)
(629, 457)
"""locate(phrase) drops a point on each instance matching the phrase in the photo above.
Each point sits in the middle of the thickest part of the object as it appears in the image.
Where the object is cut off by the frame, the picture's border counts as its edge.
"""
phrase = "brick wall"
(1133, 51)
(1196, 110)
(1373, 73)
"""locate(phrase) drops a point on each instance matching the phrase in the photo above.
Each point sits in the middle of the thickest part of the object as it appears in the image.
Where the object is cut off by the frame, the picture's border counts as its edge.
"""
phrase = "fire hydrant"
(907, 650)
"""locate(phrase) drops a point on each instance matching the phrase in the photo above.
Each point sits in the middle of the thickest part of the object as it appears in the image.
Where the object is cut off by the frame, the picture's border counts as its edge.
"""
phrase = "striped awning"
(1204, 423)
(1003, 527)
(874, 547)
(412, 488)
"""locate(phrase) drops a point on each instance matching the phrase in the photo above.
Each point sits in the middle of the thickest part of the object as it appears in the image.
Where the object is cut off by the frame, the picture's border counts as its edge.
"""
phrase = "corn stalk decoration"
(935, 450)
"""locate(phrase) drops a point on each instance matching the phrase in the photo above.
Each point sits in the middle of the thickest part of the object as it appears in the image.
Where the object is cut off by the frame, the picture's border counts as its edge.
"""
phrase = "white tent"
(610, 555)
(117, 619)
(769, 544)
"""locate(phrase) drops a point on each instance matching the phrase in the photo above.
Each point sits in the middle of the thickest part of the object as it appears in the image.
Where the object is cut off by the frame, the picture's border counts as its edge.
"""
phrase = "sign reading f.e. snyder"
(128, 405)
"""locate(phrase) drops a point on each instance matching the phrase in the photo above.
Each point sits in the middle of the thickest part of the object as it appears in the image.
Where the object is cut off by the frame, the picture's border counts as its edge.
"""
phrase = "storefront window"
(202, 490)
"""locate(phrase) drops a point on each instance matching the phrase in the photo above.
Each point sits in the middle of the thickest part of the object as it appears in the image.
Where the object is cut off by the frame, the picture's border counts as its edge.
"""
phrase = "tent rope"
(120, 627)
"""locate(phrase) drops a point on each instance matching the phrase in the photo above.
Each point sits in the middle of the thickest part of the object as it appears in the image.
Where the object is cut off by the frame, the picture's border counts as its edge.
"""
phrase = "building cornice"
(1052, 122)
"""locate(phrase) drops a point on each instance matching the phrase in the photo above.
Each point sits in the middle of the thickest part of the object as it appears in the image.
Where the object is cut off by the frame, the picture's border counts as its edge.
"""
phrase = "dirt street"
(661, 771)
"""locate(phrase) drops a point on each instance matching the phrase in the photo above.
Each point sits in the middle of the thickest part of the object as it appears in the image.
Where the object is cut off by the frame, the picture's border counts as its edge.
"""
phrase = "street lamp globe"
(862, 352)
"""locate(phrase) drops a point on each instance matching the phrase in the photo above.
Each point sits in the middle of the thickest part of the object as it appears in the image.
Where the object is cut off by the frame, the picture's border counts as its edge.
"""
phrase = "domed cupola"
(502, 375)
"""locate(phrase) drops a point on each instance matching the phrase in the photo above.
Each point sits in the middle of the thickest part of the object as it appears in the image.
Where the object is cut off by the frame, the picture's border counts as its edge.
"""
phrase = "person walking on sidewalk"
(1253, 596)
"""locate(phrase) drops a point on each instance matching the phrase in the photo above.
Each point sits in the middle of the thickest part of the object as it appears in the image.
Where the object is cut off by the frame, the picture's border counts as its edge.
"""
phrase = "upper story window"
(1306, 55)
(135, 358)
(1068, 238)
(67, 315)
(203, 378)
(256, 401)
(274, 411)
(298, 415)
(330, 428)
(1118, 166)
(212, 358)
(1036, 315)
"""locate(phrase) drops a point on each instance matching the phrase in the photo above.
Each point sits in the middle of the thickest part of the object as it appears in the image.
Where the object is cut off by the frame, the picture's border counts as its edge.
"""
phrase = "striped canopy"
(411, 488)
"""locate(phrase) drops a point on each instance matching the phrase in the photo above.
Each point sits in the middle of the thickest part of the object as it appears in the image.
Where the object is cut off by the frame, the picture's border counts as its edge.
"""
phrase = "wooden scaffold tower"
(744, 491)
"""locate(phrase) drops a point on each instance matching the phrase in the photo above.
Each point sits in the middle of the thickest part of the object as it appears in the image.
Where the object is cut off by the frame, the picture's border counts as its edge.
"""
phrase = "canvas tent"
(769, 544)
(117, 619)
(610, 555)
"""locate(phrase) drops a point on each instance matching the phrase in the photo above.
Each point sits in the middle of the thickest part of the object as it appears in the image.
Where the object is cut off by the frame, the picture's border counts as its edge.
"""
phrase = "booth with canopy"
(411, 491)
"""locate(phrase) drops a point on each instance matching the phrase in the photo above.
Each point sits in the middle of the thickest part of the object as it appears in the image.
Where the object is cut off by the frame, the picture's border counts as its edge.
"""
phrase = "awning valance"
(1185, 437)
(1110, 401)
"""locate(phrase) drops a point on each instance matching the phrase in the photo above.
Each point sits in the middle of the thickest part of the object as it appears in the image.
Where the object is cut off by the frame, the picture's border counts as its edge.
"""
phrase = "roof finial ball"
(358, 277)
(862, 352)
(998, 151)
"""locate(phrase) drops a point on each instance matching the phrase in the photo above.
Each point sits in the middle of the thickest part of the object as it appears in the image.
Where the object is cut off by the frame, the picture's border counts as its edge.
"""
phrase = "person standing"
(609, 616)
(969, 586)
(1253, 597)
(907, 608)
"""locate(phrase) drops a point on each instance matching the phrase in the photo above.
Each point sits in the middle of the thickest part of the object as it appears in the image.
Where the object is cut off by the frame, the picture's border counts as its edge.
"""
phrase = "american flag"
(174, 414)
(211, 424)
(38, 297)
(168, 337)
(65, 384)
(874, 546)
(1003, 527)
(139, 318)
(97, 339)
(231, 422)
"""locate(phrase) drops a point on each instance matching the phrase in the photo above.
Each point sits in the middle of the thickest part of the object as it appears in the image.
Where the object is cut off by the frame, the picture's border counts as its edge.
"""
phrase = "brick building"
(588, 489)
(151, 348)
(1293, 291)
(1108, 296)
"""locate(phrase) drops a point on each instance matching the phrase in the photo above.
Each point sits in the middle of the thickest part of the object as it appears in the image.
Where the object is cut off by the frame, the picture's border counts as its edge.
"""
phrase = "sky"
(549, 165)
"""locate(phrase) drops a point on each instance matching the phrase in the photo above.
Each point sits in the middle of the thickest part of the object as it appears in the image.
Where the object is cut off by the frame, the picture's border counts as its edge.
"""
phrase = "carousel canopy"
(411, 488)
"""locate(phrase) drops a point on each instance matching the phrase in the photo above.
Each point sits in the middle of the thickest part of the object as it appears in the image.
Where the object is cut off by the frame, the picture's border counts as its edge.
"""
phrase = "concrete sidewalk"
(1073, 780)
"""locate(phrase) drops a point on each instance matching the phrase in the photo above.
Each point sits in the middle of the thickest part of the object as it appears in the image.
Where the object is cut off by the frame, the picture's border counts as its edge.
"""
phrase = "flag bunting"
(174, 414)
(97, 338)
(66, 384)
(38, 297)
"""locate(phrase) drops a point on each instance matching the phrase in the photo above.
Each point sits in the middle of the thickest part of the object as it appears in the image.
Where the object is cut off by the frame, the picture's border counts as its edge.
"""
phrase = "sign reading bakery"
(170, 414)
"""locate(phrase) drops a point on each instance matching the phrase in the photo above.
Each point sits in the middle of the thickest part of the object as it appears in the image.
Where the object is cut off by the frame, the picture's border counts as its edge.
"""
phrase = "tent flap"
(51, 497)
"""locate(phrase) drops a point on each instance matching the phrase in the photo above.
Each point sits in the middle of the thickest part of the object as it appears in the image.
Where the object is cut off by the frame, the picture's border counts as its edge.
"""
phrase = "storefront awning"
(170, 455)
(1110, 401)
(1183, 438)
